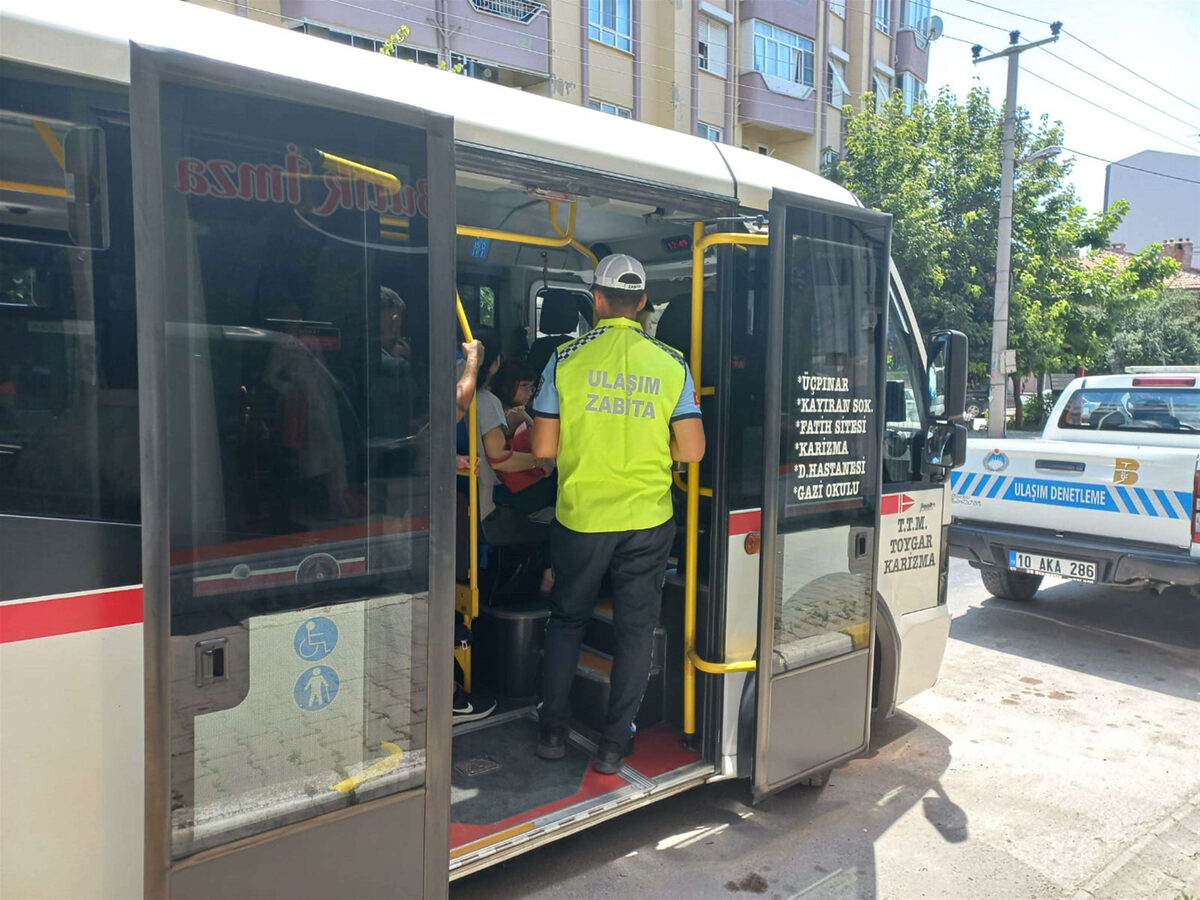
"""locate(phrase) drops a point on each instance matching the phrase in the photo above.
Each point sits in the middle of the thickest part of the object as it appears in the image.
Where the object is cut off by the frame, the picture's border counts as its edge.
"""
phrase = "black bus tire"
(1009, 585)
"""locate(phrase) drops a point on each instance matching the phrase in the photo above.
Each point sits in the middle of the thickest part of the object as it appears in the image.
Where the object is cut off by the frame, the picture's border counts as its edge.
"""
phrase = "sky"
(1157, 39)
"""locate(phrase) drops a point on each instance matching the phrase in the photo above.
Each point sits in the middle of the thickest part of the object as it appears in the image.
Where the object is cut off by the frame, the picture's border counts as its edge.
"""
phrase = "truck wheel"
(1009, 585)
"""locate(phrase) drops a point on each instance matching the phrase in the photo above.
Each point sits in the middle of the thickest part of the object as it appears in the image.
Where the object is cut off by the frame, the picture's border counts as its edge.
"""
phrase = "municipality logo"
(995, 461)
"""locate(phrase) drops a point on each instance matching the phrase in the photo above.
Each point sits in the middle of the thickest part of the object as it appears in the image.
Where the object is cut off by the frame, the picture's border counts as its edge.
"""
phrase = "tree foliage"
(937, 171)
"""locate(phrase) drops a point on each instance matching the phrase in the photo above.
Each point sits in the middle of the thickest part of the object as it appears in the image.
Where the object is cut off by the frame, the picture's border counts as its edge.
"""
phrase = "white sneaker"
(466, 711)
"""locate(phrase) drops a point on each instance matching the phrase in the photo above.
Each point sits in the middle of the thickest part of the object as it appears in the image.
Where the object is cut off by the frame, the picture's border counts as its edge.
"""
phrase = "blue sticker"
(316, 688)
(480, 247)
(315, 639)
(1080, 495)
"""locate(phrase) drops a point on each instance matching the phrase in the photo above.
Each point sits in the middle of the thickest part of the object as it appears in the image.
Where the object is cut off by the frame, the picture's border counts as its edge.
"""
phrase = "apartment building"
(770, 75)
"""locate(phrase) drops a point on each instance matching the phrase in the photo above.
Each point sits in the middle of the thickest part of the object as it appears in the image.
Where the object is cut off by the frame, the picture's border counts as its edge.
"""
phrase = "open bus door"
(821, 450)
(294, 253)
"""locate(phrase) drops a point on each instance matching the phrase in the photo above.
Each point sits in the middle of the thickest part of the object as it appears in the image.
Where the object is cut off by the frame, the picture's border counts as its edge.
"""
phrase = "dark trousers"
(636, 561)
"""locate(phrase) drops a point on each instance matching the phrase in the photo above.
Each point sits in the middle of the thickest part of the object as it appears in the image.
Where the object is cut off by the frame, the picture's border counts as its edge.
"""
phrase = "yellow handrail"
(469, 605)
(691, 659)
(472, 609)
(564, 239)
(570, 232)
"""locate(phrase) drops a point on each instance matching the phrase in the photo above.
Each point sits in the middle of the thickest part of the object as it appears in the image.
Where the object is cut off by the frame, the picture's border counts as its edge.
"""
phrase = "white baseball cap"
(620, 272)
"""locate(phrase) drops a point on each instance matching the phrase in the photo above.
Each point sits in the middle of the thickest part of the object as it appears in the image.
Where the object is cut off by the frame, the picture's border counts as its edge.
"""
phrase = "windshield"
(1133, 409)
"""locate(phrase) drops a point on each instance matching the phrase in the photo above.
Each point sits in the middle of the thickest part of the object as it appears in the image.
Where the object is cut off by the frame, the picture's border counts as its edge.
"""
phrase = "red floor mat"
(658, 750)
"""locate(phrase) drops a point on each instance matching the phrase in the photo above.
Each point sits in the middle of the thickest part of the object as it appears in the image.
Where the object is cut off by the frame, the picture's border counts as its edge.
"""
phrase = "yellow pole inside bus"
(472, 498)
(693, 495)
(691, 659)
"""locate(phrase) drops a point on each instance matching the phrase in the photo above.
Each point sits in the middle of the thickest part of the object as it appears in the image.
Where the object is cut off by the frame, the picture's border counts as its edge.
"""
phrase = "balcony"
(798, 17)
(512, 34)
(911, 56)
(764, 102)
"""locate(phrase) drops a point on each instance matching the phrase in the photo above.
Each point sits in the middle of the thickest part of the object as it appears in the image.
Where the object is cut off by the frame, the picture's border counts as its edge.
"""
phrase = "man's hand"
(473, 351)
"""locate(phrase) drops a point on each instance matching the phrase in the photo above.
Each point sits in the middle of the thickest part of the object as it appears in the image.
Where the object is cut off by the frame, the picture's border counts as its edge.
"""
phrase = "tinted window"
(1133, 409)
(297, 360)
(903, 432)
(68, 357)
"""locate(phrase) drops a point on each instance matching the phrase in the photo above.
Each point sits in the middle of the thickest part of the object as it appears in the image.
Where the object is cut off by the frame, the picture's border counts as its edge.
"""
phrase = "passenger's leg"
(580, 561)
(638, 570)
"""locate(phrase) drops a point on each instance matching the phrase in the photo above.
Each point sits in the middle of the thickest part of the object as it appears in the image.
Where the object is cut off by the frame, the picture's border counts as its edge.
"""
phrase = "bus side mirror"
(945, 447)
(947, 376)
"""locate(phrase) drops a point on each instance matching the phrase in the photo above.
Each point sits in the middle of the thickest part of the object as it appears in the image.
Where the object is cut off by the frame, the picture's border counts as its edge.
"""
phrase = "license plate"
(1055, 567)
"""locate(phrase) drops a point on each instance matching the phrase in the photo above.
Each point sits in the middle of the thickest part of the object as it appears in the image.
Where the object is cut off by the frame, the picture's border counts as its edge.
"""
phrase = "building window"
(783, 54)
(883, 90)
(830, 158)
(708, 132)
(836, 92)
(611, 108)
(838, 7)
(713, 45)
(916, 14)
(911, 89)
(883, 15)
(610, 22)
(764, 149)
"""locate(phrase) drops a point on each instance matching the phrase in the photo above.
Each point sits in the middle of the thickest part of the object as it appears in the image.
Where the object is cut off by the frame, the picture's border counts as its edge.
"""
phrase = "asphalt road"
(1057, 757)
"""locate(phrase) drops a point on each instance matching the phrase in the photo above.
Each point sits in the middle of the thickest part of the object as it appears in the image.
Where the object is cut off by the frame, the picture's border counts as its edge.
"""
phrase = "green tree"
(937, 171)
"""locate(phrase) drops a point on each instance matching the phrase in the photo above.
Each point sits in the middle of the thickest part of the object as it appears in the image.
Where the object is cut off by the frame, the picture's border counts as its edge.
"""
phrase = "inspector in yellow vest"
(615, 392)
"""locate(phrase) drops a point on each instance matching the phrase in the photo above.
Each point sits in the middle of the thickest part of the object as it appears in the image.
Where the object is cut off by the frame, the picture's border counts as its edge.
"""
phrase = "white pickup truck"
(1110, 494)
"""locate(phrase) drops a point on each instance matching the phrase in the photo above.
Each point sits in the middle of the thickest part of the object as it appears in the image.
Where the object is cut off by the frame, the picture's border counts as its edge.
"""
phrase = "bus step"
(590, 690)
(599, 635)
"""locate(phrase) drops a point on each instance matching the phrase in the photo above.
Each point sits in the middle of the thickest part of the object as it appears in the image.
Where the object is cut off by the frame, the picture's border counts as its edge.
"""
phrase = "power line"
(1106, 56)
(1109, 84)
(1105, 109)
(1131, 71)
(1135, 168)
(1009, 12)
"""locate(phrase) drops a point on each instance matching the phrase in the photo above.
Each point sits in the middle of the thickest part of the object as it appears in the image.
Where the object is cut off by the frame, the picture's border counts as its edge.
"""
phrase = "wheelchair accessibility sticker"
(316, 688)
(315, 639)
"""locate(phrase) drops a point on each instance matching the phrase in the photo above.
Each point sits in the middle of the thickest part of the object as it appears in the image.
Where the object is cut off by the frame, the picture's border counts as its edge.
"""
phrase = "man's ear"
(641, 304)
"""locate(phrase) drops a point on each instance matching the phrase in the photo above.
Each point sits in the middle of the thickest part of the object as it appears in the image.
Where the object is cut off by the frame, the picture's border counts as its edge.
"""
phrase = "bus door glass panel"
(911, 539)
(297, 355)
(68, 357)
(822, 482)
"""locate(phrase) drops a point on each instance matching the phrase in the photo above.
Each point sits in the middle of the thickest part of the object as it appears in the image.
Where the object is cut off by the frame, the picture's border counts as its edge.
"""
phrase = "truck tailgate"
(1139, 493)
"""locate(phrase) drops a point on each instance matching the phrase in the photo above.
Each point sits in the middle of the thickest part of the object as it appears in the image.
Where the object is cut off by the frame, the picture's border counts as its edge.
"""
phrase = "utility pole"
(1000, 363)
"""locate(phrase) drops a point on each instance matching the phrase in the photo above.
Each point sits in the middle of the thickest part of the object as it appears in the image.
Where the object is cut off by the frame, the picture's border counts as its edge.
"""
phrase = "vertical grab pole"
(693, 496)
(472, 494)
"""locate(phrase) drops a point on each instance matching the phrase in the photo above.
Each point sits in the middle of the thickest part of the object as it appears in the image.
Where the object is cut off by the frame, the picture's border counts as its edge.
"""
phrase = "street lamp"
(1045, 153)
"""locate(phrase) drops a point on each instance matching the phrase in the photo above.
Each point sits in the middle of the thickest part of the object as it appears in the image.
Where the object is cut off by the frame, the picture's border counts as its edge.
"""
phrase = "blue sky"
(1158, 39)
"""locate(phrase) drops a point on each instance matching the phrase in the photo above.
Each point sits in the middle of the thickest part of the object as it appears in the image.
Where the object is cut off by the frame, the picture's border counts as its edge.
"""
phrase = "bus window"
(904, 428)
(297, 359)
(68, 357)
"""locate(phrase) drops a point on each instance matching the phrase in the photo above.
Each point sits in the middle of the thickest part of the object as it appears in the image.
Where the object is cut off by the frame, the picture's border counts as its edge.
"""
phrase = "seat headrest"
(560, 311)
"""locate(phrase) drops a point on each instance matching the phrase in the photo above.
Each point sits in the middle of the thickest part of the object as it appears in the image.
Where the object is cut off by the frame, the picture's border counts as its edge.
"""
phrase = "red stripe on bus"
(68, 615)
(745, 522)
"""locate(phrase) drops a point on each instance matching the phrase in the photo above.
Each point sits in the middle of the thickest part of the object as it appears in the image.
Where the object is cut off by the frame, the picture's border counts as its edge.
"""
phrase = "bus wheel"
(1009, 585)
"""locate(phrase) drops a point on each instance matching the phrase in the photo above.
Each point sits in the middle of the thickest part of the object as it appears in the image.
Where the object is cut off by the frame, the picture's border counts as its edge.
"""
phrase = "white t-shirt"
(489, 414)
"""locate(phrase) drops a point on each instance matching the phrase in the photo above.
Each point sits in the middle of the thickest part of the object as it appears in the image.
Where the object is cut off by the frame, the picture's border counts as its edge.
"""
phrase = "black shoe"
(552, 742)
(610, 755)
(467, 711)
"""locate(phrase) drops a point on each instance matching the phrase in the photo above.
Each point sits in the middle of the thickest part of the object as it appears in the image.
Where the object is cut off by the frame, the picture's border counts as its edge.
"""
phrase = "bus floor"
(501, 792)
